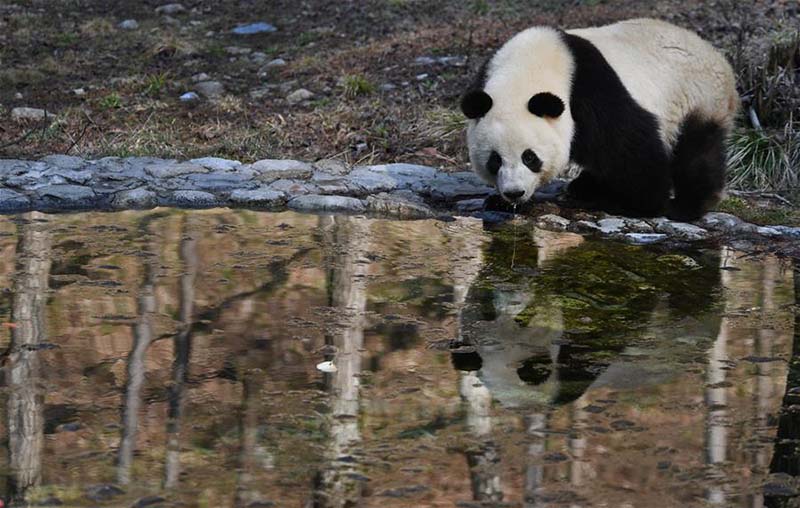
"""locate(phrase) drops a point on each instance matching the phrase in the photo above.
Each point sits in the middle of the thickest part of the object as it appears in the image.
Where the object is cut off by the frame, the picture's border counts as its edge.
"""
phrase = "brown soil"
(341, 51)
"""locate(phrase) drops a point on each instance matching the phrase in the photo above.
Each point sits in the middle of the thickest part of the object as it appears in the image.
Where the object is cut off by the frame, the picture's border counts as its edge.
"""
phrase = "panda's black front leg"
(585, 188)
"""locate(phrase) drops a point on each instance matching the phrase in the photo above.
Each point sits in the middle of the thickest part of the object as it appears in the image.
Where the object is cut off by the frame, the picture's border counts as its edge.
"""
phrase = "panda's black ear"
(546, 104)
(475, 104)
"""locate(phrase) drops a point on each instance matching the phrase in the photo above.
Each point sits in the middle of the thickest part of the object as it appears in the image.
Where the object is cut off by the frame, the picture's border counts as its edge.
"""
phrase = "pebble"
(682, 230)
(128, 24)
(200, 76)
(25, 113)
(254, 28)
(278, 62)
(387, 87)
(80, 92)
(210, 89)
(174, 8)
(299, 95)
(552, 222)
(189, 97)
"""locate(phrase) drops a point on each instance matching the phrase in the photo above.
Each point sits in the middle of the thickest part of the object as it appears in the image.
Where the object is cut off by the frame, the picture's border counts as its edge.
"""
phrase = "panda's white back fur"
(685, 74)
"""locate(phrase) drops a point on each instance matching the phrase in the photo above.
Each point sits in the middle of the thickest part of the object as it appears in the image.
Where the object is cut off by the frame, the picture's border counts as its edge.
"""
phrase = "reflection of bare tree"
(348, 238)
(786, 457)
(182, 350)
(716, 396)
(246, 492)
(142, 337)
(26, 395)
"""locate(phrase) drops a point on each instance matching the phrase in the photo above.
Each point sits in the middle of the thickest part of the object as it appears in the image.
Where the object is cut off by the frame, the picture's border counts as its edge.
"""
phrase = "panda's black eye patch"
(530, 159)
(475, 104)
(494, 163)
(546, 104)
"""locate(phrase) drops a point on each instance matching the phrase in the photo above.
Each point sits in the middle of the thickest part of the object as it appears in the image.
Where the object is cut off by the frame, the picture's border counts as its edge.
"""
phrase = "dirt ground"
(373, 101)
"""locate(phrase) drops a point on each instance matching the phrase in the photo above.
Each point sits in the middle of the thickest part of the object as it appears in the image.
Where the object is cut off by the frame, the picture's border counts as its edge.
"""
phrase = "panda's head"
(520, 127)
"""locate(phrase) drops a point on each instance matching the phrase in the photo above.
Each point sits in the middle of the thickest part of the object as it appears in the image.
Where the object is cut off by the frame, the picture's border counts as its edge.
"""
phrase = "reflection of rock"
(548, 328)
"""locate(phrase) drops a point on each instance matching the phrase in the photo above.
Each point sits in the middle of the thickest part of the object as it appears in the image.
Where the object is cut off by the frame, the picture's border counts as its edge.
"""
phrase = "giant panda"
(643, 107)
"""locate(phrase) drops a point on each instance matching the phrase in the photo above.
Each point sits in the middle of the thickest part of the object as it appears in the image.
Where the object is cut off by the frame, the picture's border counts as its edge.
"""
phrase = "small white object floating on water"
(327, 367)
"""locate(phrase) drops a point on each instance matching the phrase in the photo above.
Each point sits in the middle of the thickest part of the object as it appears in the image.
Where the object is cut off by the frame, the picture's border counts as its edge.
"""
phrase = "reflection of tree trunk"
(786, 457)
(716, 398)
(534, 472)
(246, 492)
(483, 462)
(26, 395)
(182, 349)
(142, 337)
(763, 348)
(336, 484)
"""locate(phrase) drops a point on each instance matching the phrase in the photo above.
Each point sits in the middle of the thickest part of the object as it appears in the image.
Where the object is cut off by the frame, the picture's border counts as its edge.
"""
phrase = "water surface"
(236, 358)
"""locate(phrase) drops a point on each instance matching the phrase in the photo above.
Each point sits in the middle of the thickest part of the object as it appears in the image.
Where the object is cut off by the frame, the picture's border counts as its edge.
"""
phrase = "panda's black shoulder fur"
(616, 140)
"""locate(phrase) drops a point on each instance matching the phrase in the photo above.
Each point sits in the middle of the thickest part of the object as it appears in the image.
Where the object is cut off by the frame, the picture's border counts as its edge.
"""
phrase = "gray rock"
(128, 24)
(189, 97)
(210, 89)
(292, 187)
(334, 167)
(768, 231)
(173, 8)
(194, 199)
(80, 92)
(67, 196)
(552, 222)
(201, 76)
(169, 169)
(254, 28)
(263, 197)
(450, 187)
(470, 205)
(610, 226)
(269, 170)
(13, 166)
(681, 230)
(550, 190)
(11, 201)
(584, 226)
(788, 231)
(64, 161)
(258, 57)
(644, 238)
(58, 175)
(216, 163)
(395, 206)
(720, 221)
(371, 181)
(237, 50)
(140, 198)
(277, 62)
(218, 182)
(319, 203)
(35, 114)
(387, 87)
(340, 186)
(298, 96)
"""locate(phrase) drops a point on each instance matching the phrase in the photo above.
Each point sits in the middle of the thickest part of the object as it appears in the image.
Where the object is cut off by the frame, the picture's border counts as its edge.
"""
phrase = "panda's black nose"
(513, 195)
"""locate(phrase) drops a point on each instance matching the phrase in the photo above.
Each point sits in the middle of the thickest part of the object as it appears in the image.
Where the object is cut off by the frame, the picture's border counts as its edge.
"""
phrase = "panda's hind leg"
(697, 168)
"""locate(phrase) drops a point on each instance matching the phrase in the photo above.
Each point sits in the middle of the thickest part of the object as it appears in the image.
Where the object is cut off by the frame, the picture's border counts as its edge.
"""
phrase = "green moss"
(759, 214)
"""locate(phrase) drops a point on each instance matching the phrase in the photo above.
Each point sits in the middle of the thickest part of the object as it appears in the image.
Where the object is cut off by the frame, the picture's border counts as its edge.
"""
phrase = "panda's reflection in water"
(564, 320)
